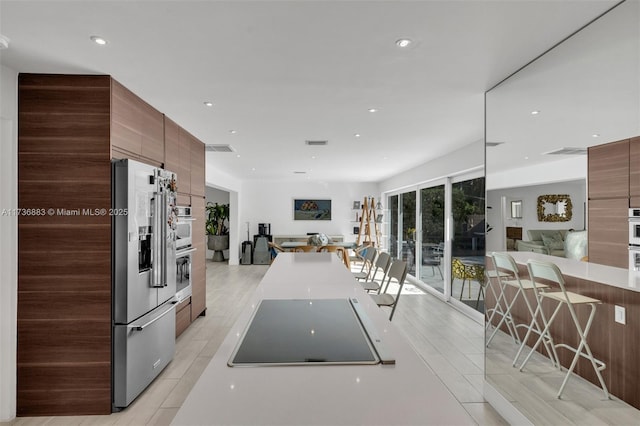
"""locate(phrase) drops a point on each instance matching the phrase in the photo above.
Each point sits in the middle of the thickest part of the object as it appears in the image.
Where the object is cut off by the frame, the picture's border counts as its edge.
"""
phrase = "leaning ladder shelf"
(368, 224)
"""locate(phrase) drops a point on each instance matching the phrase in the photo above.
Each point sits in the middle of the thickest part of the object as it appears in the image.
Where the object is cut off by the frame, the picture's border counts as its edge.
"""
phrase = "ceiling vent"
(299, 173)
(316, 143)
(219, 148)
(567, 151)
(490, 144)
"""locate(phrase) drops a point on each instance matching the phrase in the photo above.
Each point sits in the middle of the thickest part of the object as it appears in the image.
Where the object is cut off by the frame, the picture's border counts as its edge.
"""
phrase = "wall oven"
(184, 251)
(634, 239)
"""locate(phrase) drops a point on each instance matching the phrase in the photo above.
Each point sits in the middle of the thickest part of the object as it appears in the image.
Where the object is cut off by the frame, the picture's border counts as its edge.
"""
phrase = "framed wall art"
(311, 209)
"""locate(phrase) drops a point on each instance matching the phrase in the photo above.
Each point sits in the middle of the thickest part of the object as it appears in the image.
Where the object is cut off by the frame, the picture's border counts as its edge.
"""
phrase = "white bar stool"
(506, 266)
(549, 271)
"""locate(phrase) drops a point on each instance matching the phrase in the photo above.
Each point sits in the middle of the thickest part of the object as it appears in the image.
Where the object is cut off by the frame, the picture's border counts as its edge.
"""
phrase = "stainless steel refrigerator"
(144, 276)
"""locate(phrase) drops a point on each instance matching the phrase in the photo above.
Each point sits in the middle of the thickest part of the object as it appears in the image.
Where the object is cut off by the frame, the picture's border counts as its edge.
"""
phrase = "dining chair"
(539, 270)
(506, 267)
(306, 249)
(468, 273)
(367, 266)
(382, 264)
(397, 272)
(341, 252)
(358, 255)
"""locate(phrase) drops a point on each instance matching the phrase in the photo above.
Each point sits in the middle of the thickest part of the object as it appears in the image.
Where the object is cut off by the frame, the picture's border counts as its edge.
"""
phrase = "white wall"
(565, 170)
(529, 196)
(272, 202)
(8, 241)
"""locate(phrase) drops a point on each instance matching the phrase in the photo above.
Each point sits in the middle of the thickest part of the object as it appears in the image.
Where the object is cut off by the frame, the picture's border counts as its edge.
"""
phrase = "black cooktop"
(306, 332)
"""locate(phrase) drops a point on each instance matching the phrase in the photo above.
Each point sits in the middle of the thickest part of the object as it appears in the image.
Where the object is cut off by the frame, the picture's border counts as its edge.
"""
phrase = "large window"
(393, 226)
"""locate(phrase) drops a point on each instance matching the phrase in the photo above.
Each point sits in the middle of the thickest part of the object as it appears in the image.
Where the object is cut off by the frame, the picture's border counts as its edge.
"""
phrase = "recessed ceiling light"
(595, 135)
(403, 42)
(372, 110)
(526, 158)
(357, 135)
(253, 169)
(98, 40)
(233, 132)
(313, 157)
(237, 155)
(209, 104)
(535, 112)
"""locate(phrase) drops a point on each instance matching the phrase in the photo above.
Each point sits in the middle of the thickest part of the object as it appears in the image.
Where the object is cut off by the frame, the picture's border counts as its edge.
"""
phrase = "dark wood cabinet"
(197, 168)
(608, 232)
(137, 129)
(198, 266)
(608, 174)
(634, 171)
(69, 129)
(64, 270)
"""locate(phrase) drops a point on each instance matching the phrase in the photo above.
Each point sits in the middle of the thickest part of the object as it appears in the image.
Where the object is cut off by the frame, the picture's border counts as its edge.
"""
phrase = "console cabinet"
(634, 172)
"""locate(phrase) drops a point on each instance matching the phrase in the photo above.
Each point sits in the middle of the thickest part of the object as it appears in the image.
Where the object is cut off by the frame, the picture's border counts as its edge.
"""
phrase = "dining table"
(346, 245)
(312, 392)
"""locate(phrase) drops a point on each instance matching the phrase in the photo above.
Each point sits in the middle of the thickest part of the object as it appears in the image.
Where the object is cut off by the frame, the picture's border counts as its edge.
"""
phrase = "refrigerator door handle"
(157, 258)
(163, 241)
(169, 308)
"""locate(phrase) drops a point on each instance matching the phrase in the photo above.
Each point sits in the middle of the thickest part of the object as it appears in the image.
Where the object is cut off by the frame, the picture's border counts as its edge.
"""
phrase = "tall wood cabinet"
(69, 129)
(609, 191)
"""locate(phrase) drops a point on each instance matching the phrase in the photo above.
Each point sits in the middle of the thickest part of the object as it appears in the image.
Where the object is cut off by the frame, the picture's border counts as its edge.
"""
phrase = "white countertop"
(609, 275)
(405, 393)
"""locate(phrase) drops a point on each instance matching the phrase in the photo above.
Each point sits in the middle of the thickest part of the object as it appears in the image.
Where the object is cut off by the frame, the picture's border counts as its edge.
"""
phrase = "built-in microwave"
(184, 227)
(634, 227)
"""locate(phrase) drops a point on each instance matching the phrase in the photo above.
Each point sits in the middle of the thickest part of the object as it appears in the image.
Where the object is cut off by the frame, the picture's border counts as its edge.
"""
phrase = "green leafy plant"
(217, 214)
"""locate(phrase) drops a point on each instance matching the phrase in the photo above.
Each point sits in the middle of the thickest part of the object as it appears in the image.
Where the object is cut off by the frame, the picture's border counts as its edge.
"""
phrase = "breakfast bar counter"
(616, 343)
(406, 392)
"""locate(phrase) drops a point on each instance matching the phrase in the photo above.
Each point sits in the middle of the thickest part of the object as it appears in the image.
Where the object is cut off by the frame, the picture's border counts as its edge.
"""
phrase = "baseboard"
(503, 406)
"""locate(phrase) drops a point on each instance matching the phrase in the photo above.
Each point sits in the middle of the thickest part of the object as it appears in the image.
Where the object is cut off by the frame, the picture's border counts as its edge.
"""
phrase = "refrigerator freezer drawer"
(142, 349)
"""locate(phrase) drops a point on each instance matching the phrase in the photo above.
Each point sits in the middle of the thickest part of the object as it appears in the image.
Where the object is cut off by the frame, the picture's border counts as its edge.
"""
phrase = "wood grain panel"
(172, 148)
(49, 341)
(69, 305)
(197, 168)
(64, 403)
(62, 100)
(124, 139)
(184, 200)
(63, 376)
(634, 167)
(183, 317)
(198, 271)
(55, 81)
(608, 232)
(629, 346)
(608, 174)
(71, 282)
(63, 167)
(79, 263)
(66, 196)
(634, 202)
(76, 125)
(152, 133)
(67, 238)
(184, 167)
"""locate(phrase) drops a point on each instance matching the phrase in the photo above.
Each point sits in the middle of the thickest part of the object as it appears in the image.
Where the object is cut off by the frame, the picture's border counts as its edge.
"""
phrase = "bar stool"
(549, 271)
(506, 267)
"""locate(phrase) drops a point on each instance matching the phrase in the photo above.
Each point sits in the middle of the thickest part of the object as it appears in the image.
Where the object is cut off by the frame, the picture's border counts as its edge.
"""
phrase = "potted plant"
(218, 233)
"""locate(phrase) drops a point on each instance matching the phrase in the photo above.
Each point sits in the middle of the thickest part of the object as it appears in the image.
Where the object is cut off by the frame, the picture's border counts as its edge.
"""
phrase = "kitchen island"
(407, 392)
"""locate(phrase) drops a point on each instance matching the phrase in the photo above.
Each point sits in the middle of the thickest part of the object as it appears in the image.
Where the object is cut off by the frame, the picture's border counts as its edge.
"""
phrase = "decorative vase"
(218, 243)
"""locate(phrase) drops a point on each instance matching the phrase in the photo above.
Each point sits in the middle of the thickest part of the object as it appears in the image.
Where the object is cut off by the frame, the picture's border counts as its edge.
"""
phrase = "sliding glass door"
(432, 236)
(467, 245)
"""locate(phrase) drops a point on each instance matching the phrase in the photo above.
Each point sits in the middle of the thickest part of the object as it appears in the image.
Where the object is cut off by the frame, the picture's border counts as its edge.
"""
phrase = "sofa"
(555, 242)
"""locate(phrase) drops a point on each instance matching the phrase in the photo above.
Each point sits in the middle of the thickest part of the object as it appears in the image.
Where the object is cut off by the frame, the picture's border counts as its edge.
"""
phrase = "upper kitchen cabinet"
(634, 172)
(137, 129)
(177, 154)
(197, 168)
(609, 170)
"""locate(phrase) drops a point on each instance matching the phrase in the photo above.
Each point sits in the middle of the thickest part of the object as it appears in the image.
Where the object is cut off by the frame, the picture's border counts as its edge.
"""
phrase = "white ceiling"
(282, 72)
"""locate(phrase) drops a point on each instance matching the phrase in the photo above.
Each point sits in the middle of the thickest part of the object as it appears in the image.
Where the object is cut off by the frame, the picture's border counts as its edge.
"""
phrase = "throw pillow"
(553, 241)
